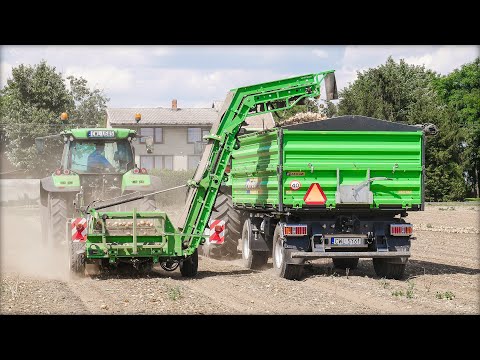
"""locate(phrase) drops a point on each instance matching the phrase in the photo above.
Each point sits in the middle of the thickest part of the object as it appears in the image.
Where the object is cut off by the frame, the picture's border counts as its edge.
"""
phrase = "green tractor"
(96, 164)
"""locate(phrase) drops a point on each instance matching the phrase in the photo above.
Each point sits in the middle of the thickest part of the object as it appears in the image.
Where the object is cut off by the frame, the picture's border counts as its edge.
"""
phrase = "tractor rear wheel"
(59, 209)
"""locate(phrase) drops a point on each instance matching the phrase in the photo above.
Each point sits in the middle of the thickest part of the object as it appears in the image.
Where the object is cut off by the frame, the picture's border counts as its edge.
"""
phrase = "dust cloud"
(21, 246)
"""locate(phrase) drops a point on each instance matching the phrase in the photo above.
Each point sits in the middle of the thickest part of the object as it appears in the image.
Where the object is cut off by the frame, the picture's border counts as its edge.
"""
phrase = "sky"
(151, 76)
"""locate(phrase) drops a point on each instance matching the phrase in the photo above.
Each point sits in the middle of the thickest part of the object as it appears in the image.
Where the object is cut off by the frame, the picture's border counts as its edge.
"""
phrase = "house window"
(160, 162)
(158, 135)
(155, 133)
(194, 135)
(146, 162)
(193, 161)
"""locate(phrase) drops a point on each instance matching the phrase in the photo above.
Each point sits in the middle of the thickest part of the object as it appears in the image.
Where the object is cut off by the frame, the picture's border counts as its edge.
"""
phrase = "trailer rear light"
(66, 172)
(295, 230)
(401, 229)
(227, 169)
(218, 228)
(143, 170)
(58, 172)
(136, 171)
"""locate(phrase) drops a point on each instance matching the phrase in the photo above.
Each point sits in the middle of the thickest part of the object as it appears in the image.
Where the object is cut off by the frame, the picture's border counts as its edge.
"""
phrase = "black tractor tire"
(280, 256)
(345, 263)
(189, 266)
(388, 270)
(233, 224)
(59, 211)
(77, 257)
(251, 259)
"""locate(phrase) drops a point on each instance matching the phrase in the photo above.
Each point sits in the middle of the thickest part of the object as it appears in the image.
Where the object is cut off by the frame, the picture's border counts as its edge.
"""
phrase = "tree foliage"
(461, 91)
(30, 105)
(407, 93)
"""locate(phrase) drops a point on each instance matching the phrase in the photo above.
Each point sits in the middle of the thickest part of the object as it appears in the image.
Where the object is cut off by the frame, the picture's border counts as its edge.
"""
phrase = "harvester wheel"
(344, 263)
(189, 266)
(388, 270)
(251, 259)
(77, 257)
(280, 257)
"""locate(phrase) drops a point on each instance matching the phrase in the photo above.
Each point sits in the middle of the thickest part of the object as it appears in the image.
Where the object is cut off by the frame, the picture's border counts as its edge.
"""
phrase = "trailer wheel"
(388, 270)
(251, 259)
(233, 225)
(189, 266)
(344, 263)
(77, 257)
(280, 256)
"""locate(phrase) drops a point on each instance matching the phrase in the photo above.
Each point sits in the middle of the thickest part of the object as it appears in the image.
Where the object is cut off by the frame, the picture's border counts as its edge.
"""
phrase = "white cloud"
(446, 58)
(320, 53)
(5, 73)
(442, 59)
(109, 78)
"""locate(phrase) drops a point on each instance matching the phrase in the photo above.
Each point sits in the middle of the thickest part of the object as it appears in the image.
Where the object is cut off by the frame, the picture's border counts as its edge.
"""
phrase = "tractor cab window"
(92, 156)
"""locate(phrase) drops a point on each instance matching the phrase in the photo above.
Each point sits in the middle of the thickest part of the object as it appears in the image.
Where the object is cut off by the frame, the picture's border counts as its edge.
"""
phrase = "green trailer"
(335, 188)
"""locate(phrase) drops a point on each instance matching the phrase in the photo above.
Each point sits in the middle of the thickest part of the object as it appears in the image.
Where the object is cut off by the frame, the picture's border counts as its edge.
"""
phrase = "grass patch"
(448, 295)
(398, 293)
(411, 286)
(174, 293)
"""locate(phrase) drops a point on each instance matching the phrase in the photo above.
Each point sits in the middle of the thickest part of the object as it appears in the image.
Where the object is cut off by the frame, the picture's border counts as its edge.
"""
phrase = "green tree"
(461, 91)
(30, 105)
(407, 93)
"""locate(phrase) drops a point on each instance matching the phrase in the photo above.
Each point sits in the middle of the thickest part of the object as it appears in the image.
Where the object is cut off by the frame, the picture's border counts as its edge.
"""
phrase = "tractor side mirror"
(40, 145)
(331, 87)
(149, 144)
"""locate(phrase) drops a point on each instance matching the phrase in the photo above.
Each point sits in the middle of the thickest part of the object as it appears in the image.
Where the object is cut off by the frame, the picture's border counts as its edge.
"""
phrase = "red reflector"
(66, 172)
(136, 171)
(218, 228)
(143, 170)
(401, 229)
(295, 230)
(58, 172)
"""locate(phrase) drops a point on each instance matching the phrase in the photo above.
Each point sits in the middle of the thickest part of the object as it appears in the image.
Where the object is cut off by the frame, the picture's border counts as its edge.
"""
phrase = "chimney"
(174, 104)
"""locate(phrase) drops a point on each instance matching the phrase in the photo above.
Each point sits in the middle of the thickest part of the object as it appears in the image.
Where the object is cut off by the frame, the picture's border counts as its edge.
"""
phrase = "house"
(177, 132)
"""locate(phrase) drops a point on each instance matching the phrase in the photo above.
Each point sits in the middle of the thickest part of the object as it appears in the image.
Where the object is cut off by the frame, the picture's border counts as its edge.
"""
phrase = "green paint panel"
(314, 157)
(82, 133)
(66, 180)
(132, 179)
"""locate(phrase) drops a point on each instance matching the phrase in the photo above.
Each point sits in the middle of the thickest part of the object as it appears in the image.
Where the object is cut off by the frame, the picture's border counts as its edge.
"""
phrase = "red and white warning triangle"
(315, 195)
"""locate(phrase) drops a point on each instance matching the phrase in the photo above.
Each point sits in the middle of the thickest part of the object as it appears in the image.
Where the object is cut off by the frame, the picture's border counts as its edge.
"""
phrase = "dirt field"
(443, 277)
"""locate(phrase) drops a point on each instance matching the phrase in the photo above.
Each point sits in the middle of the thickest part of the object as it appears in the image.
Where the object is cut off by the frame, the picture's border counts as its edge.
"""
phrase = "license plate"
(347, 241)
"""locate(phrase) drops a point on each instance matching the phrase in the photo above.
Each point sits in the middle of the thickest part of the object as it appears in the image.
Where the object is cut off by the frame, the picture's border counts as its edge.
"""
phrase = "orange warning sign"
(315, 195)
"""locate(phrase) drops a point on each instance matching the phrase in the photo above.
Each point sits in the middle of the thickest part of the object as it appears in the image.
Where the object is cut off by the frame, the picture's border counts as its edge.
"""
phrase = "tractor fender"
(155, 184)
(46, 184)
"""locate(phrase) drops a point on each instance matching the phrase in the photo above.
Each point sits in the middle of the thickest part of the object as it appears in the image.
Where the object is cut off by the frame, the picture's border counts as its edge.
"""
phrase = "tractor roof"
(100, 133)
